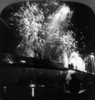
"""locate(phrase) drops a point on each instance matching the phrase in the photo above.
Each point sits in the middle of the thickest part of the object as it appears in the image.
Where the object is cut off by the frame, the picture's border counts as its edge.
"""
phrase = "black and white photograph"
(47, 50)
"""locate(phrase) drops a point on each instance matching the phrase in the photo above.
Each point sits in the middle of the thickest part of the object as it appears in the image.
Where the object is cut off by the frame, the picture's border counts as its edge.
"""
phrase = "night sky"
(83, 21)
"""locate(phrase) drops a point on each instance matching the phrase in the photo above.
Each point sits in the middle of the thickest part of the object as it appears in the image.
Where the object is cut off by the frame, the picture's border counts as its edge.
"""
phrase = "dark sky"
(4, 3)
(83, 24)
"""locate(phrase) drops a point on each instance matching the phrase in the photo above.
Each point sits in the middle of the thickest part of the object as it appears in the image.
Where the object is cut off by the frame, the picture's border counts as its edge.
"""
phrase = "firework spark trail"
(64, 40)
(58, 18)
(28, 27)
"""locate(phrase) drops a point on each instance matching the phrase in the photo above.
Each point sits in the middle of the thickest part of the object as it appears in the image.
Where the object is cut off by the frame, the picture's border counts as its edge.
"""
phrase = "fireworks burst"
(47, 39)
(47, 31)
(28, 22)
